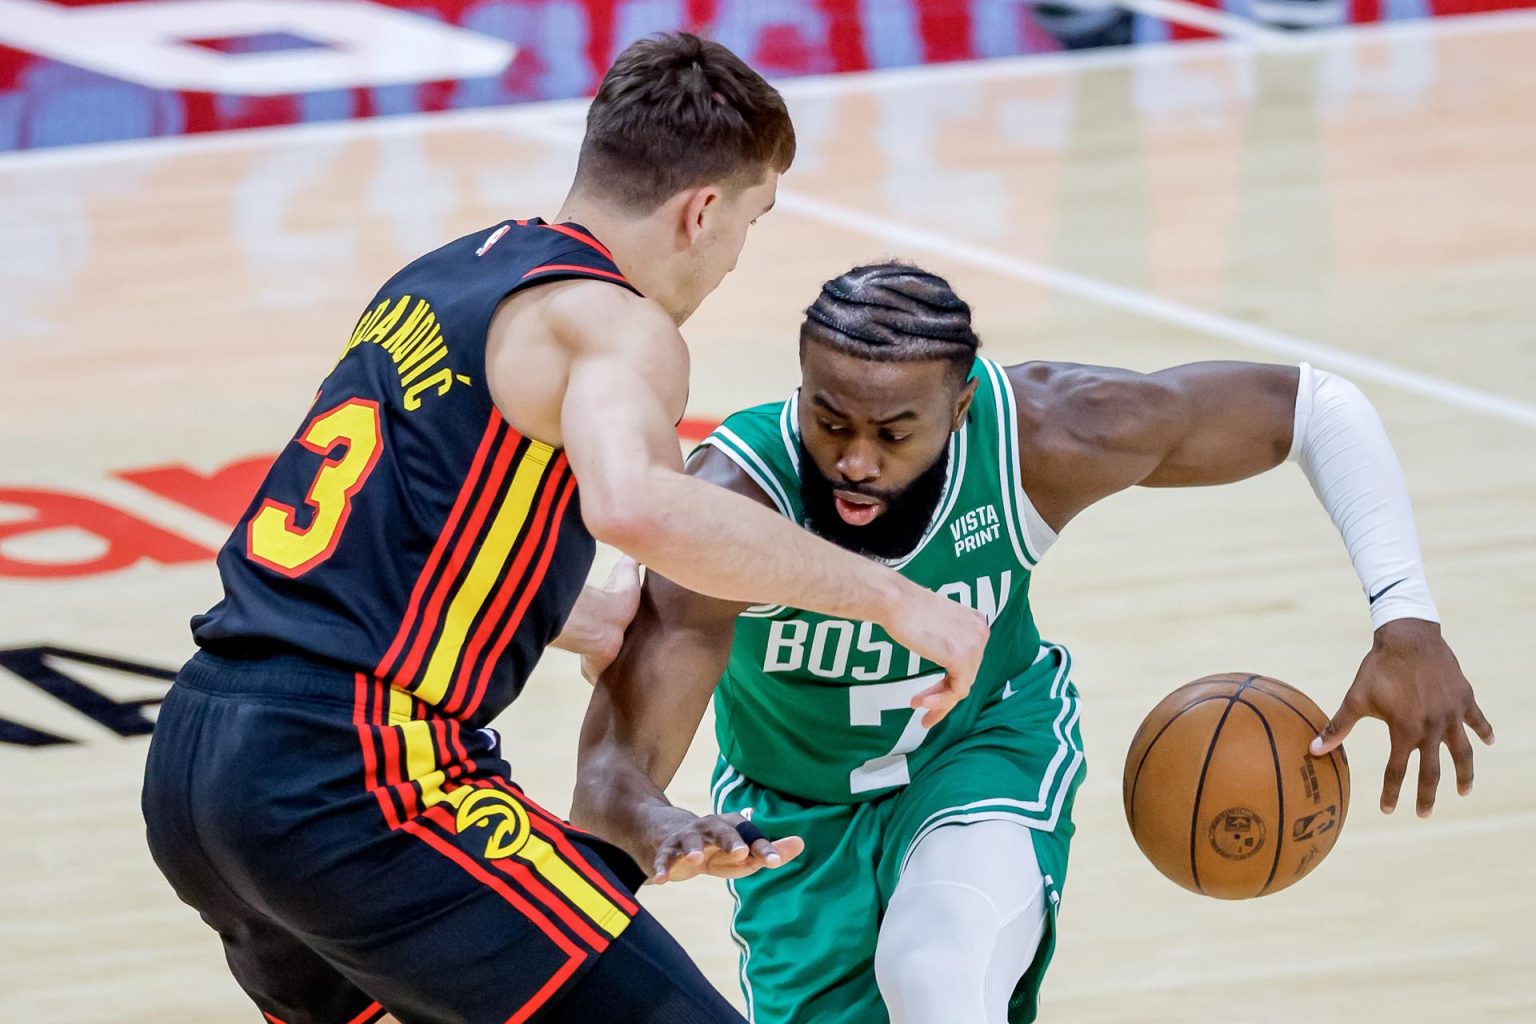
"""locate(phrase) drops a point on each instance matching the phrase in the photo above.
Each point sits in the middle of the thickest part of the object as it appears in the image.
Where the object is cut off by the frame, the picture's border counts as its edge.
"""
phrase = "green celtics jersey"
(820, 708)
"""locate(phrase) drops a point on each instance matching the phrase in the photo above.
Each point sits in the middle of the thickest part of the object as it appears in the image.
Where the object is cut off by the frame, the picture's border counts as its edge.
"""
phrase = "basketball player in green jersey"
(921, 861)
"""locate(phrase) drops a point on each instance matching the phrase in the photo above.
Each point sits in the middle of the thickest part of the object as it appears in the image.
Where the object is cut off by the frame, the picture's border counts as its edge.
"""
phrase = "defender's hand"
(595, 628)
(715, 845)
(949, 635)
(1411, 681)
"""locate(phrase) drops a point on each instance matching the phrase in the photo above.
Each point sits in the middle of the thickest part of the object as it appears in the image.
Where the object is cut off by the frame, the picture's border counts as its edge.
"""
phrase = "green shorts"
(807, 931)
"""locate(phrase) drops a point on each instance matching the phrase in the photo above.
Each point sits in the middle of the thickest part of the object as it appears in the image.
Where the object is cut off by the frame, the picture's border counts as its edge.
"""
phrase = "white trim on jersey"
(734, 448)
(1053, 790)
(954, 482)
(1026, 526)
(727, 782)
(789, 428)
(764, 611)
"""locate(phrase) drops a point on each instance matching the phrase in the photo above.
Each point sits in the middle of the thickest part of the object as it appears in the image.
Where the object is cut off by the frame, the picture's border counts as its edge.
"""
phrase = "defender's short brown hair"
(676, 111)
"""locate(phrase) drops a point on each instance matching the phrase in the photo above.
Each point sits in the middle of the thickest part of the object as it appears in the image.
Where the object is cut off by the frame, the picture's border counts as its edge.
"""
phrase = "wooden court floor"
(1361, 200)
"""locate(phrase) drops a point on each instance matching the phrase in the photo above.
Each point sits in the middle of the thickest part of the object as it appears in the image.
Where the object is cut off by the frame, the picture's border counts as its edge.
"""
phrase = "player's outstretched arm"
(1211, 423)
(625, 389)
(644, 712)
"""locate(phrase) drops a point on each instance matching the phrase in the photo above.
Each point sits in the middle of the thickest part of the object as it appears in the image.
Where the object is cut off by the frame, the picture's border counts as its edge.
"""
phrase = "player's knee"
(934, 950)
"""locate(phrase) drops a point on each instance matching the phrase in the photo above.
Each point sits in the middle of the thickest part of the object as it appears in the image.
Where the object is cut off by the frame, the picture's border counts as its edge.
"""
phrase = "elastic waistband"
(278, 675)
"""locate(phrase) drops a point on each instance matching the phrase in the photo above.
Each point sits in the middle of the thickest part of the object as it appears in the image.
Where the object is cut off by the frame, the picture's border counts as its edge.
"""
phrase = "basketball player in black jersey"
(322, 786)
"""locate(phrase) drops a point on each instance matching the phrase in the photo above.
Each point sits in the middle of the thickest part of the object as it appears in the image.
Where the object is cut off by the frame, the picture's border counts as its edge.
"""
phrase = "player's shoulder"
(1080, 406)
(757, 420)
(753, 452)
(592, 317)
(590, 305)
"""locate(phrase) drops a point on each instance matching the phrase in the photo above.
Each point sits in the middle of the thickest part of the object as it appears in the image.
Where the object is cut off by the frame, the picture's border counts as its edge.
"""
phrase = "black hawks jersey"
(408, 531)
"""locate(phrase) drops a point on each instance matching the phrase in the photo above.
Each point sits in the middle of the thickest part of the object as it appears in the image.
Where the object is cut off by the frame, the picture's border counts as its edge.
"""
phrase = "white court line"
(555, 121)
(1131, 300)
(877, 81)
(908, 237)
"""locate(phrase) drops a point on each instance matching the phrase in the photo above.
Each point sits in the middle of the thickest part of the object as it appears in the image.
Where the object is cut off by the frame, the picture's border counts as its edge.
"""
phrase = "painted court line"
(908, 238)
(559, 122)
(1130, 300)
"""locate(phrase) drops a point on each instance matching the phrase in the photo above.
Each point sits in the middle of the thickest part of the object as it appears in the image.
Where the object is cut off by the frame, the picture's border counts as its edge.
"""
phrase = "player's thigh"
(963, 925)
(480, 917)
(647, 974)
(1020, 768)
(807, 930)
(286, 979)
(461, 901)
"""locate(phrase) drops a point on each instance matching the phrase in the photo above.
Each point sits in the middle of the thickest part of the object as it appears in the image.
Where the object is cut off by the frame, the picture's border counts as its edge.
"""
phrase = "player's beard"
(895, 531)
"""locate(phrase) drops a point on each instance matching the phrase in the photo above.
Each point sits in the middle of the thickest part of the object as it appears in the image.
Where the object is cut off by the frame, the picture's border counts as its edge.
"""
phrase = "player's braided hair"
(893, 312)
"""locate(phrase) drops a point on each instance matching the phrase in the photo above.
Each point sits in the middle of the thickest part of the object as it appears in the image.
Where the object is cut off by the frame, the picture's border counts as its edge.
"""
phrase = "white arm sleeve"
(1341, 445)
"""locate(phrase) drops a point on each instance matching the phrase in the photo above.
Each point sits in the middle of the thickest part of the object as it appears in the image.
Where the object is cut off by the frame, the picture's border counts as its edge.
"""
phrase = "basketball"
(1221, 792)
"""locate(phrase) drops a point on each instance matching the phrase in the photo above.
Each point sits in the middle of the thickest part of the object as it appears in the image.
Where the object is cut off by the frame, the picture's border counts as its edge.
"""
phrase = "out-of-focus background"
(196, 200)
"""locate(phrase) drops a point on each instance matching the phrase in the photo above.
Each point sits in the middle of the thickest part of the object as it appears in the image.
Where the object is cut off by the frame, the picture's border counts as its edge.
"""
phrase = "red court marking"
(223, 494)
(129, 539)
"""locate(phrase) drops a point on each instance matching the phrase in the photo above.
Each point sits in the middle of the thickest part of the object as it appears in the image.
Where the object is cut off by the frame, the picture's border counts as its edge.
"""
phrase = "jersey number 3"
(274, 538)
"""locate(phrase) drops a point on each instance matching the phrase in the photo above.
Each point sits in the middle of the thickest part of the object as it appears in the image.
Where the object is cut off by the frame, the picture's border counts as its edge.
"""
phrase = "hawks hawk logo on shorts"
(506, 819)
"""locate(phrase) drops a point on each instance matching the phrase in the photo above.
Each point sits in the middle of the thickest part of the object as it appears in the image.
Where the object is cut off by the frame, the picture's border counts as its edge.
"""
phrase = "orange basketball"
(1221, 793)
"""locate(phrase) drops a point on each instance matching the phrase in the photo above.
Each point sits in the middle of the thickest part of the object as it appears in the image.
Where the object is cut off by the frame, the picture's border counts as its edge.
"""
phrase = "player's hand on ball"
(723, 845)
(948, 634)
(1411, 681)
(596, 625)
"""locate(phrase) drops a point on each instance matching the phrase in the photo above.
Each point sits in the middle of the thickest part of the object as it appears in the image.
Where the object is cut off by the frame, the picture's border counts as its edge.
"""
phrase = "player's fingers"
(1461, 757)
(939, 690)
(788, 849)
(722, 835)
(1397, 769)
(689, 846)
(682, 870)
(1479, 724)
(762, 849)
(669, 865)
(936, 702)
(1337, 728)
(785, 850)
(936, 713)
(1429, 775)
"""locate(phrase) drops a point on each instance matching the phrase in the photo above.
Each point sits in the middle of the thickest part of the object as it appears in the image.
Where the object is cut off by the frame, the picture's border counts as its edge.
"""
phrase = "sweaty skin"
(1085, 433)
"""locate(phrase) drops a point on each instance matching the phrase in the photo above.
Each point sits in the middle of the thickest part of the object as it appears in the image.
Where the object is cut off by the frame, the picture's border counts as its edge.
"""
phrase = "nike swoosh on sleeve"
(1383, 590)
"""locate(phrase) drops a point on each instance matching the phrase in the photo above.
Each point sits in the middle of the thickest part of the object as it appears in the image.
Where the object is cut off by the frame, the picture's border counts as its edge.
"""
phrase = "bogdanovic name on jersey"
(839, 648)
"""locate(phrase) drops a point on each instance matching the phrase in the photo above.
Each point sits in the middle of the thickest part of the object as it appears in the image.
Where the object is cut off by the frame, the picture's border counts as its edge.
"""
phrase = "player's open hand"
(595, 628)
(723, 845)
(1411, 681)
(948, 634)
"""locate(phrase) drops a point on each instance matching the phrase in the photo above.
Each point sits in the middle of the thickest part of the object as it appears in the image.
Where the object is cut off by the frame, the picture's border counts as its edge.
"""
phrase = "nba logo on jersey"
(495, 237)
